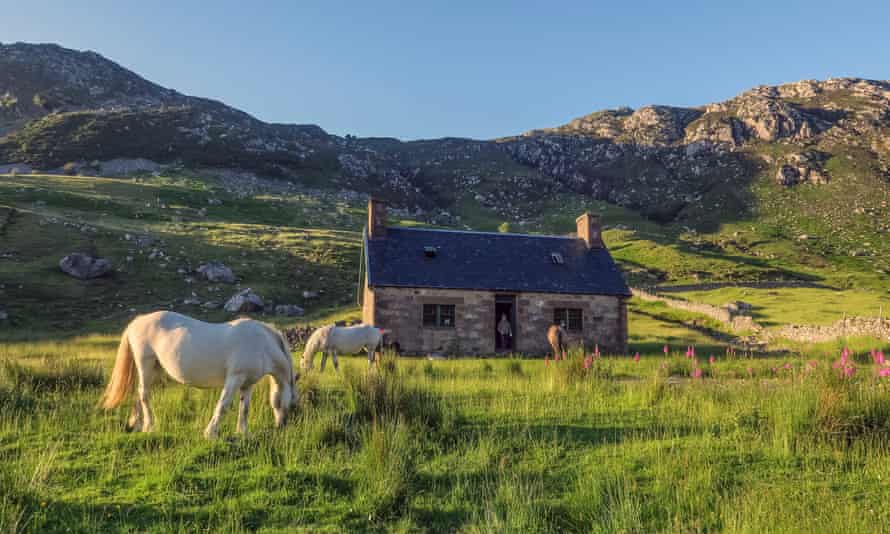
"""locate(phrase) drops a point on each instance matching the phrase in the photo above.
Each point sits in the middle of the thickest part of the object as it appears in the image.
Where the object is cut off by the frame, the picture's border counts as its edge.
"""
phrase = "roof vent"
(429, 252)
(557, 258)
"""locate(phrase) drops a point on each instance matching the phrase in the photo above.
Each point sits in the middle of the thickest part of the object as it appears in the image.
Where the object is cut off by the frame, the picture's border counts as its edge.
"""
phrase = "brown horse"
(557, 337)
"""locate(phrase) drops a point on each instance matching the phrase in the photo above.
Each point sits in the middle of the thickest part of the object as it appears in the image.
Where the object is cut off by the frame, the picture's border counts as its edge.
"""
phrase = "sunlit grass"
(495, 445)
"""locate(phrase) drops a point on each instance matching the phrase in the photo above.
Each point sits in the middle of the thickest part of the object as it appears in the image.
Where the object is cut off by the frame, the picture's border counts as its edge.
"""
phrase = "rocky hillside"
(820, 149)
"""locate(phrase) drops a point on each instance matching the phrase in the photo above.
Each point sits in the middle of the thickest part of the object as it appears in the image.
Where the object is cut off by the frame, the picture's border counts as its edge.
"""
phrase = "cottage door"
(505, 323)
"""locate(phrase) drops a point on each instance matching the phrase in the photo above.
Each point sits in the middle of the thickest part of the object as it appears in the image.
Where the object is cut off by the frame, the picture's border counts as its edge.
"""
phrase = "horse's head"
(283, 397)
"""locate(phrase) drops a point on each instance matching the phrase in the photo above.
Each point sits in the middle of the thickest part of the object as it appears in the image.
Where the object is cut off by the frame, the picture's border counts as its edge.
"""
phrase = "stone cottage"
(447, 290)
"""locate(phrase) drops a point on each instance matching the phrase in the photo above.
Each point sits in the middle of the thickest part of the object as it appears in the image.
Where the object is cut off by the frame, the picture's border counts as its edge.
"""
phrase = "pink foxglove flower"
(884, 371)
(665, 349)
(637, 357)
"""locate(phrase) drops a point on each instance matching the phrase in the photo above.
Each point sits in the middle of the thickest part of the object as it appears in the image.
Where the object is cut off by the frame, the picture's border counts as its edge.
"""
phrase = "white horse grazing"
(331, 340)
(233, 356)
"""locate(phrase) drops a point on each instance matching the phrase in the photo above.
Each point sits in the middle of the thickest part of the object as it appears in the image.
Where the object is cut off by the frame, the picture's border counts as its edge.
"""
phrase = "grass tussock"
(580, 368)
(54, 375)
(385, 393)
(387, 470)
(849, 410)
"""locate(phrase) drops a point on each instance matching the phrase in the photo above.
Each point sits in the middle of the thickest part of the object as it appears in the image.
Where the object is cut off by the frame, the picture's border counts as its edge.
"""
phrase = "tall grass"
(457, 446)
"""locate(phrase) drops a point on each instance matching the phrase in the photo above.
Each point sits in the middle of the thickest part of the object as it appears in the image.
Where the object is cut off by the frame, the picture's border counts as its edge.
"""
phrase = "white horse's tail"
(122, 377)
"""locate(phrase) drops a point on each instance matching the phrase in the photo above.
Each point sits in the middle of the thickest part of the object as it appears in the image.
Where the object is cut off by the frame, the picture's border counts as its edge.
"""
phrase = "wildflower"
(637, 357)
(788, 366)
(596, 350)
(711, 360)
(849, 371)
(696, 373)
(588, 361)
(884, 371)
(878, 357)
(844, 359)
(666, 350)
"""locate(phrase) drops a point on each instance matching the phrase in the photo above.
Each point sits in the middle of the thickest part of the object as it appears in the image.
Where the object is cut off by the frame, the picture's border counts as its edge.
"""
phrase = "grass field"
(474, 445)
(507, 445)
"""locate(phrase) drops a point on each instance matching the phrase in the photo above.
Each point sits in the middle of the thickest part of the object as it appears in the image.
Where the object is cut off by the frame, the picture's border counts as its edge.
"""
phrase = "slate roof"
(490, 261)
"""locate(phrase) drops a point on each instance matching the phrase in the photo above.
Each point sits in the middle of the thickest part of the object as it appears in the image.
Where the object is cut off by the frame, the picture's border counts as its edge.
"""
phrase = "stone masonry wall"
(401, 311)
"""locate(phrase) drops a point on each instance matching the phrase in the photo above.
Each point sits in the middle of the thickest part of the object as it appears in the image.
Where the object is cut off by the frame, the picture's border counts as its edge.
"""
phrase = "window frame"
(565, 316)
(439, 314)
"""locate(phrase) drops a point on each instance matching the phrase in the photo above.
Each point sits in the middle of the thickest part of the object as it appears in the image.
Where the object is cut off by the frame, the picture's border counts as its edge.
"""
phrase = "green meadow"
(776, 441)
(471, 445)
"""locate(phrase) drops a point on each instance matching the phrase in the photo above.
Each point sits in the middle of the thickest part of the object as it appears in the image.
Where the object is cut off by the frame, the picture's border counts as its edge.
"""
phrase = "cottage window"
(569, 318)
(441, 315)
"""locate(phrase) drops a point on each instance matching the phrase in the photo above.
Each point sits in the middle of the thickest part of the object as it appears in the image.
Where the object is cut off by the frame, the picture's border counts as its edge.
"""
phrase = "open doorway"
(504, 323)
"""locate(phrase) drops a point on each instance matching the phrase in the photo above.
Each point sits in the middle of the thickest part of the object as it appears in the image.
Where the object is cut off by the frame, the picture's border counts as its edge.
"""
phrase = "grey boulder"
(215, 271)
(289, 310)
(244, 301)
(84, 267)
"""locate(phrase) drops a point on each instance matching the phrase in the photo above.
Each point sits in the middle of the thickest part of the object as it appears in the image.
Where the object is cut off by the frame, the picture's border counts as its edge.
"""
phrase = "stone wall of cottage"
(400, 310)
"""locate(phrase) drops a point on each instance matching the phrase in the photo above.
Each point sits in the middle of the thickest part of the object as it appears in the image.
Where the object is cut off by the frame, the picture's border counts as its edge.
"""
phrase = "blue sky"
(463, 68)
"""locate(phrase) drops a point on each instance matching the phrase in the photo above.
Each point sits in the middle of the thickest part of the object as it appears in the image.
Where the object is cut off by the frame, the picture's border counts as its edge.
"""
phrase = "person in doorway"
(505, 331)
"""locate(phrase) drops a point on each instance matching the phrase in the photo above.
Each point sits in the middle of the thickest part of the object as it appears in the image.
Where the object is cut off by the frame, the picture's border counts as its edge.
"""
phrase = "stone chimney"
(376, 219)
(590, 230)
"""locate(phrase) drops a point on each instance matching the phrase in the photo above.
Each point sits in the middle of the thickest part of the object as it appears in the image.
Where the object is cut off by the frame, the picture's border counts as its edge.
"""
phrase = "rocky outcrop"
(60, 106)
(84, 267)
